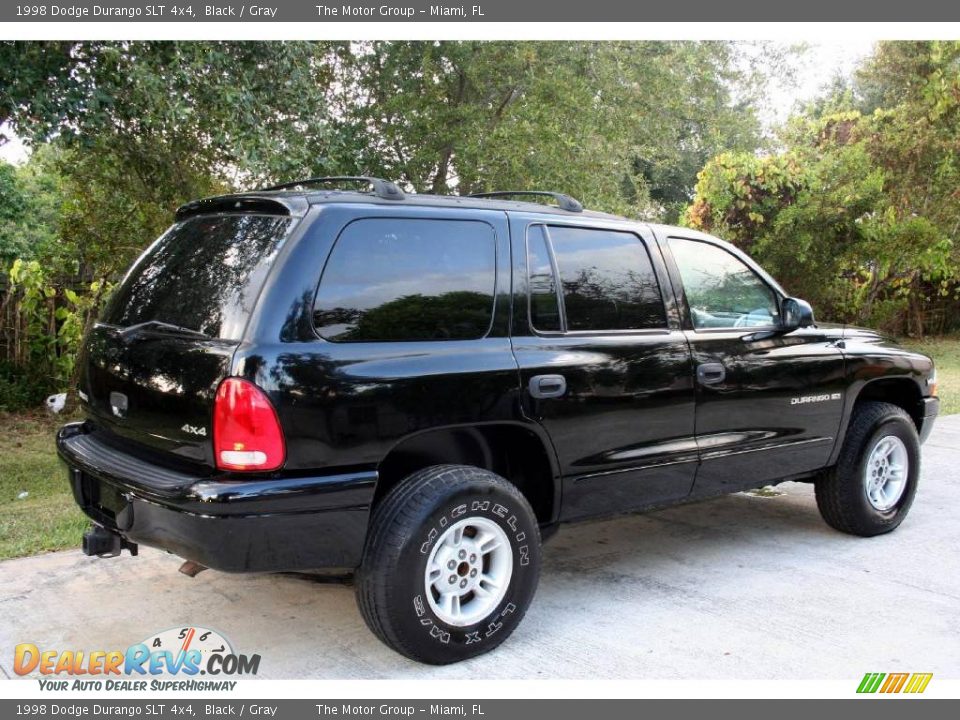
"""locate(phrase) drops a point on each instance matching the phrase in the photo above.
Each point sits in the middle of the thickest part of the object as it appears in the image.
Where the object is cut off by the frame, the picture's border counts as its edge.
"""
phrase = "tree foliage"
(216, 107)
(860, 211)
(601, 121)
(30, 199)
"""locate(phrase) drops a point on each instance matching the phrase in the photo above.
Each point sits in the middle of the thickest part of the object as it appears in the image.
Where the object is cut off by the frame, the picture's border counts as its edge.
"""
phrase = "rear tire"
(871, 488)
(451, 564)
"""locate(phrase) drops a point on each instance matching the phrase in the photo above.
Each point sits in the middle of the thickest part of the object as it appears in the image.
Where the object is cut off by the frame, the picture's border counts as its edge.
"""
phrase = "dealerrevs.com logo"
(154, 664)
(888, 683)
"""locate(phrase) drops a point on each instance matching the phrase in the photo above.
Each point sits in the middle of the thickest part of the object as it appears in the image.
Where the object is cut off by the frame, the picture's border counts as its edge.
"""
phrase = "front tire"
(871, 488)
(451, 564)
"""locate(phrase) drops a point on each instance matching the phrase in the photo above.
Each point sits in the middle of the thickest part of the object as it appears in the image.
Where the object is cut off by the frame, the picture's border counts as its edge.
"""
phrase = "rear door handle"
(711, 373)
(547, 386)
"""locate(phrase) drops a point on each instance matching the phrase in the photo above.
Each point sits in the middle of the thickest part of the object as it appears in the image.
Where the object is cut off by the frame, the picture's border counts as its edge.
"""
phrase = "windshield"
(204, 274)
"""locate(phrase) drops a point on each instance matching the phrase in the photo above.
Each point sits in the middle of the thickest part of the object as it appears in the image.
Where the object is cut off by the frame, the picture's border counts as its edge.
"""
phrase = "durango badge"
(804, 399)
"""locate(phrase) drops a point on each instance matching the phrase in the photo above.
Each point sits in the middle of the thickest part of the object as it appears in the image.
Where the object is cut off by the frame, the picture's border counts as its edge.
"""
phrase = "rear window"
(404, 279)
(204, 273)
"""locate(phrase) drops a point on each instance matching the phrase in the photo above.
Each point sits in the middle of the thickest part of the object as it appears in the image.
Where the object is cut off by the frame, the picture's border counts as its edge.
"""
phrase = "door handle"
(547, 386)
(711, 373)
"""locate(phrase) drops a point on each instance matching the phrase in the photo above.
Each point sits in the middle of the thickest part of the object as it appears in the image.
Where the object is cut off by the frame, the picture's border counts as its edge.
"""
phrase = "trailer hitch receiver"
(103, 543)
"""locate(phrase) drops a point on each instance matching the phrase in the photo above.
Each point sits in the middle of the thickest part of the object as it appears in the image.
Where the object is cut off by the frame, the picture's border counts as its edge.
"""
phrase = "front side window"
(722, 292)
(607, 279)
(390, 279)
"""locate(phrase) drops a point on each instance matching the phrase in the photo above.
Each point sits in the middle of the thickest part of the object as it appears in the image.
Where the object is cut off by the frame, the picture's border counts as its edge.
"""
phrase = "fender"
(893, 374)
(444, 444)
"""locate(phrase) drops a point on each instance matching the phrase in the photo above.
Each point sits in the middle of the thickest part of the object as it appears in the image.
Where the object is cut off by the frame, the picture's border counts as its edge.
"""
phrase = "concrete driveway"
(746, 586)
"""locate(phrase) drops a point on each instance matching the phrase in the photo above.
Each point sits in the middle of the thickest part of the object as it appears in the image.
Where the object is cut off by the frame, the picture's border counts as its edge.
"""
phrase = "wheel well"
(510, 451)
(897, 391)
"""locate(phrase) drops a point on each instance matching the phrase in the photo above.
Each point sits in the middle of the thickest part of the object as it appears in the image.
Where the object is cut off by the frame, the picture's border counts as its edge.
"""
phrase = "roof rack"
(564, 202)
(381, 188)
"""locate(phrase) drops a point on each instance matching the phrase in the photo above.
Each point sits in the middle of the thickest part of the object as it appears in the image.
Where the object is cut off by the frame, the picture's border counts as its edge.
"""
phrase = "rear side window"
(544, 306)
(204, 273)
(404, 279)
(607, 279)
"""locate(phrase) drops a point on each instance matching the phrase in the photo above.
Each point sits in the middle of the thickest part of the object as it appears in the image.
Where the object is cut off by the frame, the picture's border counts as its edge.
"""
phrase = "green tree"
(221, 107)
(13, 206)
(624, 125)
(860, 213)
(602, 121)
(30, 199)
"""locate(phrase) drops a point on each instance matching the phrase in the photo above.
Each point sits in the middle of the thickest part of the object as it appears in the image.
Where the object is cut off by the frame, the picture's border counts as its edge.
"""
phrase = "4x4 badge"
(190, 429)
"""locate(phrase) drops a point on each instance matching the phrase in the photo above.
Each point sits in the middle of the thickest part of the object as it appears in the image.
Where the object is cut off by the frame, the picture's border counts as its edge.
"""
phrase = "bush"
(49, 319)
(19, 391)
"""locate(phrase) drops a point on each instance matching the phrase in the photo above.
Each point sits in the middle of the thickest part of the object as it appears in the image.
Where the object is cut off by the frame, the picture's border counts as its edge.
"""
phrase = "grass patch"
(945, 352)
(47, 518)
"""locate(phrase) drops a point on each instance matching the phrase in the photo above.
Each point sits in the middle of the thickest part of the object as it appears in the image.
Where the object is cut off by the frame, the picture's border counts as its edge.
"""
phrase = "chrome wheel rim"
(885, 473)
(468, 571)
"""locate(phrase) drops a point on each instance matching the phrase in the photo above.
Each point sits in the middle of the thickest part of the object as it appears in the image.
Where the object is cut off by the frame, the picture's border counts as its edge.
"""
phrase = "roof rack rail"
(381, 188)
(564, 202)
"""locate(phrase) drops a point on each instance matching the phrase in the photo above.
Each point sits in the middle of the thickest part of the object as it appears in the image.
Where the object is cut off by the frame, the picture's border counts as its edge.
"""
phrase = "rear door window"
(205, 273)
(607, 279)
(390, 279)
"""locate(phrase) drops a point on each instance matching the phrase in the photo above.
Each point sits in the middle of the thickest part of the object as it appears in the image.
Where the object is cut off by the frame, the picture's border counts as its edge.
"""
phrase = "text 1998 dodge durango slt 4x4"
(416, 387)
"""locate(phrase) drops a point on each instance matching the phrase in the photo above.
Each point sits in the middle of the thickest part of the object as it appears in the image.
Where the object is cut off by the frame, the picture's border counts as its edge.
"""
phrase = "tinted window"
(721, 290)
(544, 307)
(607, 279)
(204, 273)
(390, 279)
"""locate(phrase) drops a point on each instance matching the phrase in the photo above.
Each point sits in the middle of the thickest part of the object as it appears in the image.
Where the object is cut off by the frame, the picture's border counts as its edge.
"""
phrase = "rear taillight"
(246, 431)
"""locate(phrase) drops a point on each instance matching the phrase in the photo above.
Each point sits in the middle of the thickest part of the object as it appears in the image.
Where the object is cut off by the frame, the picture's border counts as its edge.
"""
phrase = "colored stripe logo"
(918, 682)
(913, 683)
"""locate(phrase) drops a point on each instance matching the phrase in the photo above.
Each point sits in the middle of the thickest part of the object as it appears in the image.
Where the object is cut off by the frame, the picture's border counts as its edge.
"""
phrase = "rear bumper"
(236, 525)
(931, 408)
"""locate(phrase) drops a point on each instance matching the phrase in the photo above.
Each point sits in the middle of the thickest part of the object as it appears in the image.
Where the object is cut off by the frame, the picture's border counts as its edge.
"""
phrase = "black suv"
(419, 387)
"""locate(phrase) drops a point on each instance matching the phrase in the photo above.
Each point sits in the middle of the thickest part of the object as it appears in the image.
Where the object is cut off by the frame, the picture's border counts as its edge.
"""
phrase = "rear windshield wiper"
(160, 326)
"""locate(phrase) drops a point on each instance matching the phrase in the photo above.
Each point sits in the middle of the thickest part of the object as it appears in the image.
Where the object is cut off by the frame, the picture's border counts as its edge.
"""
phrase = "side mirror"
(796, 313)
